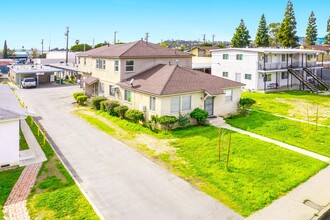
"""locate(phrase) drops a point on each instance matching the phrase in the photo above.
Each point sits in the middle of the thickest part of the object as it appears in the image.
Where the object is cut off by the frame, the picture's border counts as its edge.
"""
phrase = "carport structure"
(43, 74)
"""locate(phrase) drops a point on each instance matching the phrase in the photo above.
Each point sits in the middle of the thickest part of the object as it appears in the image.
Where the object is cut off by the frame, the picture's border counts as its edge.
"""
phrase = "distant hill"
(320, 40)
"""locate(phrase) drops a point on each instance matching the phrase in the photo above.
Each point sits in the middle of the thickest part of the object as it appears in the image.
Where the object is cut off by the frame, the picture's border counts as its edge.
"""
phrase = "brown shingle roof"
(171, 79)
(134, 49)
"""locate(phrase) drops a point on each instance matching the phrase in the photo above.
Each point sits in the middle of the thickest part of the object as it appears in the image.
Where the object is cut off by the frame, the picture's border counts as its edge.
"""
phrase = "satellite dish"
(131, 82)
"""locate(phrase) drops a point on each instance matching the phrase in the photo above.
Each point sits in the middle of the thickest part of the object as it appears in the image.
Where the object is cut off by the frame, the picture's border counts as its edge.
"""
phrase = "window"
(225, 56)
(175, 104)
(229, 95)
(127, 96)
(225, 74)
(152, 104)
(112, 91)
(186, 103)
(283, 58)
(268, 77)
(239, 56)
(100, 64)
(266, 58)
(284, 75)
(116, 65)
(248, 76)
(129, 65)
(101, 88)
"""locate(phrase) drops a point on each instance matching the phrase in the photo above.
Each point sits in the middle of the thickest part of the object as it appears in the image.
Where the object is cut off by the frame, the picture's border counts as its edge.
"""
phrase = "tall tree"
(262, 36)
(327, 36)
(242, 37)
(274, 29)
(311, 31)
(5, 50)
(287, 34)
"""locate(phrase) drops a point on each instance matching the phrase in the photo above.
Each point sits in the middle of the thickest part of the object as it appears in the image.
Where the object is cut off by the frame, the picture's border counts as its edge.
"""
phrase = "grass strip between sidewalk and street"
(258, 172)
(55, 194)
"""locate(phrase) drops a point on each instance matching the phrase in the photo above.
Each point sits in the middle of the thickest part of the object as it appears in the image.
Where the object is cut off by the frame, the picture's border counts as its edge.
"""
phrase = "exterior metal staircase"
(310, 86)
(317, 78)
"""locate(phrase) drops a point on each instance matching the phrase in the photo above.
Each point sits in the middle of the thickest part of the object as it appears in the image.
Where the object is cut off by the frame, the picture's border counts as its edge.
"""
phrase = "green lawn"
(294, 104)
(22, 142)
(291, 132)
(55, 194)
(7, 182)
(258, 172)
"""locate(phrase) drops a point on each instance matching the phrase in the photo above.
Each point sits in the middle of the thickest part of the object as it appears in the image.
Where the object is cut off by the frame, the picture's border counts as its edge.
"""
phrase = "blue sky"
(25, 23)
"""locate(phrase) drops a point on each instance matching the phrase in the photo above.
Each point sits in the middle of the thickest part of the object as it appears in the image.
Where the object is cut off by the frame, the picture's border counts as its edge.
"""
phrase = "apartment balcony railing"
(281, 66)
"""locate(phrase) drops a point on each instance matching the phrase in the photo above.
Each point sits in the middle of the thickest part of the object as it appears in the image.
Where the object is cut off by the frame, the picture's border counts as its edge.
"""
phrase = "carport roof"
(32, 69)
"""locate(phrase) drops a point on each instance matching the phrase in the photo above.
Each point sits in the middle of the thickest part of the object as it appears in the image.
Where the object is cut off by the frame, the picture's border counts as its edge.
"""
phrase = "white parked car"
(29, 82)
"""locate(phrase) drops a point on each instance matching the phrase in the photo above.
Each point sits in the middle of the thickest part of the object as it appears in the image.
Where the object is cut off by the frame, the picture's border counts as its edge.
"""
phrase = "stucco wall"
(9, 145)
(246, 66)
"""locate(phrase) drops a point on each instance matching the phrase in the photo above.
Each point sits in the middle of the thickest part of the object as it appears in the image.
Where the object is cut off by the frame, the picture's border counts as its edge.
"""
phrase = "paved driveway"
(121, 182)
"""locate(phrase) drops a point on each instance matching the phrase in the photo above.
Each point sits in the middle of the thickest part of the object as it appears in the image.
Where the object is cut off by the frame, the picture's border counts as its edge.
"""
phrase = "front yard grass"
(258, 172)
(7, 182)
(55, 194)
(22, 142)
(285, 130)
(293, 104)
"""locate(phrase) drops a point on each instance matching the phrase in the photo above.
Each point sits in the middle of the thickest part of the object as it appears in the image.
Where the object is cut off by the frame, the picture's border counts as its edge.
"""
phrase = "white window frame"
(229, 95)
(283, 60)
(176, 99)
(248, 76)
(239, 56)
(225, 56)
(152, 103)
(266, 57)
(130, 65)
(101, 88)
(284, 75)
(225, 74)
(116, 65)
(128, 96)
(112, 94)
(268, 77)
(184, 99)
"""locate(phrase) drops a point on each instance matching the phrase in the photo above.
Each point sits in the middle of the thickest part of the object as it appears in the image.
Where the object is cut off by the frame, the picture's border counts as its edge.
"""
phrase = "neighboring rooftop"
(272, 50)
(68, 66)
(321, 47)
(172, 79)
(9, 105)
(208, 48)
(136, 49)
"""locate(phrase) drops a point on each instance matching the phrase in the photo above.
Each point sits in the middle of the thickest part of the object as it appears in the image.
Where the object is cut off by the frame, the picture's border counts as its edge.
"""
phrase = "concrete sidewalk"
(34, 154)
(281, 144)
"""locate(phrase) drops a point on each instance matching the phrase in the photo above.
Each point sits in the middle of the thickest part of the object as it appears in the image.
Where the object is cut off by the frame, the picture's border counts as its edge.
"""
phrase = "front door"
(209, 105)
(238, 77)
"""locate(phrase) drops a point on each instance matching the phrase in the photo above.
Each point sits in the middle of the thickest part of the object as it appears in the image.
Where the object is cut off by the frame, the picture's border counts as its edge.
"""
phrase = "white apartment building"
(268, 69)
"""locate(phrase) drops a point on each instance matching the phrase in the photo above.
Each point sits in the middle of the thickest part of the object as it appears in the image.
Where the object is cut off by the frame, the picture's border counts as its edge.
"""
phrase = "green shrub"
(167, 122)
(81, 100)
(121, 110)
(244, 104)
(102, 108)
(200, 115)
(134, 115)
(96, 102)
(76, 94)
(183, 120)
(109, 106)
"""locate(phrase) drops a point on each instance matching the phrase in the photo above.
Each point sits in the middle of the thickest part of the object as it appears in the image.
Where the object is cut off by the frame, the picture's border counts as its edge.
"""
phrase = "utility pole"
(67, 44)
(213, 39)
(147, 37)
(42, 47)
(204, 38)
(49, 44)
(115, 37)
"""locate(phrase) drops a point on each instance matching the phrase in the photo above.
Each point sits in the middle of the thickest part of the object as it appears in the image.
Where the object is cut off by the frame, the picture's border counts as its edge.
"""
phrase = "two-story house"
(267, 69)
(155, 80)
(201, 59)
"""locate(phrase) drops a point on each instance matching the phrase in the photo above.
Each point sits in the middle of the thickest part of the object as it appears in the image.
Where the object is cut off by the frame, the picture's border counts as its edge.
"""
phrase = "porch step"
(217, 121)
(310, 86)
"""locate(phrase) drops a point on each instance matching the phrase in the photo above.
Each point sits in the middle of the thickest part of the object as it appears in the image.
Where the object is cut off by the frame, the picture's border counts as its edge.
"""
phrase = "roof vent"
(177, 62)
(131, 82)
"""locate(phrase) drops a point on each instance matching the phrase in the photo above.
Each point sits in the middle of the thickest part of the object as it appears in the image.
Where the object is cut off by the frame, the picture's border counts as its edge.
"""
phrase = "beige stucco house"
(155, 80)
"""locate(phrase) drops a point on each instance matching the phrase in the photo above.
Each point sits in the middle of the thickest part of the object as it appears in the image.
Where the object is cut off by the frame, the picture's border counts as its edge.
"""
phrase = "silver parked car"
(29, 83)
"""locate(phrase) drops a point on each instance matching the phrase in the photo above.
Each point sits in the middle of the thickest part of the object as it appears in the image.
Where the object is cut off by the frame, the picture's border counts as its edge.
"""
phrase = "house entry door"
(209, 105)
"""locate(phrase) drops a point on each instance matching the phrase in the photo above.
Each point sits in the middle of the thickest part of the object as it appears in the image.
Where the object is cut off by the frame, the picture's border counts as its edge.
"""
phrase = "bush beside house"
(134, 115)
(96, 102)
(200, 115)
